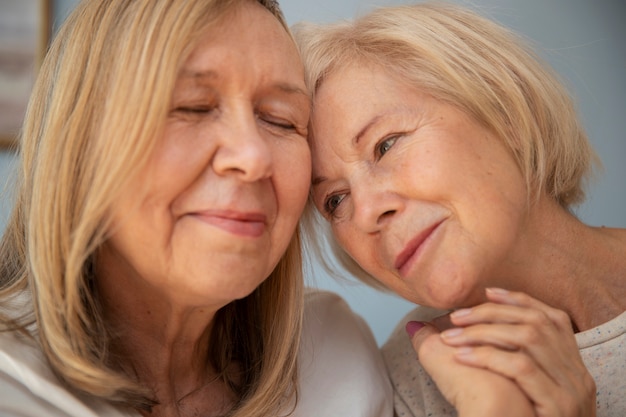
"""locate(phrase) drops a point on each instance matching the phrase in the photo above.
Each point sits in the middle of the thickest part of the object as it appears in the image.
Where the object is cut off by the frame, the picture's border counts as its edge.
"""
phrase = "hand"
(473, 391)
(519, 337)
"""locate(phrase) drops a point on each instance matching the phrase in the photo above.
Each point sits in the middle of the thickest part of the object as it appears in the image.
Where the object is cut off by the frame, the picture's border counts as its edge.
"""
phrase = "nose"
(375, 204)
(243, 151)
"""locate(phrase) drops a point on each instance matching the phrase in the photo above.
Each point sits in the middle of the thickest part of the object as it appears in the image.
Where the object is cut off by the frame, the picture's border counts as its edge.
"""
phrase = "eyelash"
(330, 211)
(201, 110)
(378, 153)
(195, 110)
(281, 124)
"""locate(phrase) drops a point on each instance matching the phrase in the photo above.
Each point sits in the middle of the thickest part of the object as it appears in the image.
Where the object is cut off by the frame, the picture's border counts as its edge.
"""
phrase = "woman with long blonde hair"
(152, 262)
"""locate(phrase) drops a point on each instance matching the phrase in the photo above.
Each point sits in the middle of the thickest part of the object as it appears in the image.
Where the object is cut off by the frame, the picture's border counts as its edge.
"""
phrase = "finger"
(473, 391)
(549, 397)
(419, 332)
(510, 337)
(510, 313)
(556, 355)
(442, 322)
(523, 325)
(539, 325)
(502, 296)
(490, 334)
(438, 361)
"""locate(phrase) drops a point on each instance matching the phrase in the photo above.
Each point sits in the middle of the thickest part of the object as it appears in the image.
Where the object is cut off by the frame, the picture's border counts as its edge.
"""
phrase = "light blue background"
(585, 40)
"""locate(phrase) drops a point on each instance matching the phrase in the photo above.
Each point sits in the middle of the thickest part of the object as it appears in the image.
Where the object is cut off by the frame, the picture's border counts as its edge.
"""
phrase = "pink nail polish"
(413, 326)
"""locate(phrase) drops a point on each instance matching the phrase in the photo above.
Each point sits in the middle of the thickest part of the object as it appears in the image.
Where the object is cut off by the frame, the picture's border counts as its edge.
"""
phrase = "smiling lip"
(413, 248)
(235, 222)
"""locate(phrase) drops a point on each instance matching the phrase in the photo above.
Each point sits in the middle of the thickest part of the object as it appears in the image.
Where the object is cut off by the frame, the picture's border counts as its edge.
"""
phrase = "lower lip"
(406, 268)
(234, 226)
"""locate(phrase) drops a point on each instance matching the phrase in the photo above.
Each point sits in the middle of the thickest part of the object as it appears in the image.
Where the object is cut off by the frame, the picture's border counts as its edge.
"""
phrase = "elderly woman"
(151, 264)
(446, 160)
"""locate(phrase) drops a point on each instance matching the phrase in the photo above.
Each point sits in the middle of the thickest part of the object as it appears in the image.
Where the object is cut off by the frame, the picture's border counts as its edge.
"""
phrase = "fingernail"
(500, 291)
(461, 313)
(450, 333)
(412, 327)
(465, 351)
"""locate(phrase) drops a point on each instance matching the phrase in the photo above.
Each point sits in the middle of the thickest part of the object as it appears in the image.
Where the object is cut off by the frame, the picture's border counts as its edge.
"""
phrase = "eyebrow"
(318, 180)
(198, 74)
(210, 74)
(366, 128)
(292, 89)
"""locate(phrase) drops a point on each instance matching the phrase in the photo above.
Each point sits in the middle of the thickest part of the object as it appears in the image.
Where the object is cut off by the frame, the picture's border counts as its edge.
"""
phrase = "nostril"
(386, 215)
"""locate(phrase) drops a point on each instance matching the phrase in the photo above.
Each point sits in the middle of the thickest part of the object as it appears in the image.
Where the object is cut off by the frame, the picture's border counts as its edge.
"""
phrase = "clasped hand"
(512, 355)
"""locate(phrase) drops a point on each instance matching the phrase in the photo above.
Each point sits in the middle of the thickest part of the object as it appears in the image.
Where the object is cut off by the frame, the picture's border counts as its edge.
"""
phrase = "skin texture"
(209, 217)
(432, 204)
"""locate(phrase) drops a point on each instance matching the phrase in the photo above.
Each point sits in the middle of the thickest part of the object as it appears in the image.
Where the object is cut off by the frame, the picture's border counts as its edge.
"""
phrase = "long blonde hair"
(464, 59)
(98, 105)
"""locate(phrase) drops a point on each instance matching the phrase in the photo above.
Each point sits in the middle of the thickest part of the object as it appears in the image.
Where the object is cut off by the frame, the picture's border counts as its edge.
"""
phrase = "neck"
(163, 344)
(571, 266)
(167, 344)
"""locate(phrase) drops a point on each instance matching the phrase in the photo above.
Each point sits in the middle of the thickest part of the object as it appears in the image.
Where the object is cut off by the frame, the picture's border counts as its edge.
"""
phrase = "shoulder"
(341, 368)
(28, 388)
(603, 349)
(603, 334)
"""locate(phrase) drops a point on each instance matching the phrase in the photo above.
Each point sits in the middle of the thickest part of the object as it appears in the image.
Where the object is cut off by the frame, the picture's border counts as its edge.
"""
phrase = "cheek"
(355, 245)
(292, 178)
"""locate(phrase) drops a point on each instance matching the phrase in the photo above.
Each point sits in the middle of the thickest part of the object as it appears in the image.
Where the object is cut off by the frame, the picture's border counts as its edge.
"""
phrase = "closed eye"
(277, 122)
(194, 110)
(199, 109)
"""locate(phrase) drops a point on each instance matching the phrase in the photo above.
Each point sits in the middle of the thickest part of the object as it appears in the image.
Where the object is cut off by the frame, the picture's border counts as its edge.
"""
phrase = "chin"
(450, 293)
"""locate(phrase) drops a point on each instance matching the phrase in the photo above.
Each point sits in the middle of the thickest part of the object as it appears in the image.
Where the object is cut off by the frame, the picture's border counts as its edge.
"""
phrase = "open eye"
(332, 202)
(384, 145)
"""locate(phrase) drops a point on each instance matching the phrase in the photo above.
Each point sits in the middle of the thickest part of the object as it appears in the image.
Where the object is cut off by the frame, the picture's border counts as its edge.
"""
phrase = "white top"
(341, 371)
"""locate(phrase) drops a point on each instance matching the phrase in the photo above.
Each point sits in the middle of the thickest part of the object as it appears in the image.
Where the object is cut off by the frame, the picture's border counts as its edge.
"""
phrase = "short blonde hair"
(97, 109)
(459, 57)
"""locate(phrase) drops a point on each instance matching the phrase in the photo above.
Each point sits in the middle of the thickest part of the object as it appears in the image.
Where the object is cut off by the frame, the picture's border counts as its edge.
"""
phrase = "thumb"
(420, 333)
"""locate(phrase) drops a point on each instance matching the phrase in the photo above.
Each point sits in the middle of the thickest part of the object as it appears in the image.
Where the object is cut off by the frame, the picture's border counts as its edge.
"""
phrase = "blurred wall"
(584, 40)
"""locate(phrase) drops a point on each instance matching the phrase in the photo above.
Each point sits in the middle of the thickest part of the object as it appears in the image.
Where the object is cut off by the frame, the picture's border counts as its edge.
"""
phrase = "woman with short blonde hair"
(446, 161)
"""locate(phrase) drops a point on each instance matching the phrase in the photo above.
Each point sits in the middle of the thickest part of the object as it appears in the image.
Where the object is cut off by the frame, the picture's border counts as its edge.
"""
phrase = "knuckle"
(562, 319)
(590, 385)
(539, 318)
(523, 365)
(565, 404)
(530, 335)
(569, 407)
